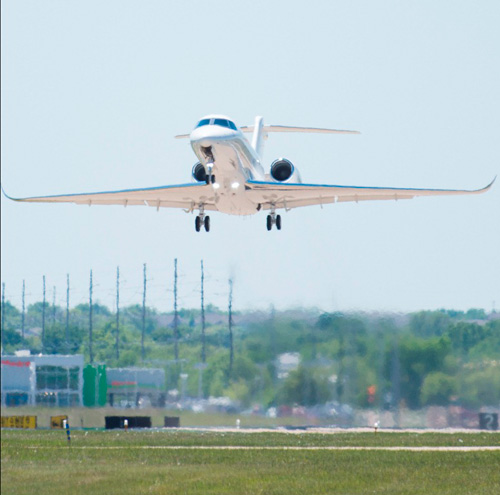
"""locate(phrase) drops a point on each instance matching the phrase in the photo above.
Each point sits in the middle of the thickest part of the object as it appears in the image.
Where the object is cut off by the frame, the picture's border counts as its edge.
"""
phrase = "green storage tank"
(95, 388)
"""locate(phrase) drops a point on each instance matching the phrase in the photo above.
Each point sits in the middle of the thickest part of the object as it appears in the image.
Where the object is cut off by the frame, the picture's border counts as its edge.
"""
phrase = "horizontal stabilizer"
(287, 128)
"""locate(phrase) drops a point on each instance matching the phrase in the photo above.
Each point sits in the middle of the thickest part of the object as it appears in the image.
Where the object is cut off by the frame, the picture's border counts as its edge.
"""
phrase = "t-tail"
(260, 132)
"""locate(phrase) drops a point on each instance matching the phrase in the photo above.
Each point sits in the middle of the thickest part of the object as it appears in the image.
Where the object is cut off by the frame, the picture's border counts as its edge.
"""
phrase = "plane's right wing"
(186, 196)
(287, 195)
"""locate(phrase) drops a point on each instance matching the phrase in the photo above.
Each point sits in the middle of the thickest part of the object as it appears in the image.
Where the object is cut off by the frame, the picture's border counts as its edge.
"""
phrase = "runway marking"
(311, 448)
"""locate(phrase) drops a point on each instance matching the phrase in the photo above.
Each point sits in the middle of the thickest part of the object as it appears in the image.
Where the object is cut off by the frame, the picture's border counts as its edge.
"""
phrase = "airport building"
(42, 380)
(136, 387)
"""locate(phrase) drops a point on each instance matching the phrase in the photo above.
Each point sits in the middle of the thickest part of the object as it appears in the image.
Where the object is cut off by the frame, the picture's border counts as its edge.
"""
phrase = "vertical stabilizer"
(259, 136)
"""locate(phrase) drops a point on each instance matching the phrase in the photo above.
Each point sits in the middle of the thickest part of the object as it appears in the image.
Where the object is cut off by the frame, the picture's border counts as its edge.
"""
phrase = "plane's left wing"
(186, 196)
(283, 195)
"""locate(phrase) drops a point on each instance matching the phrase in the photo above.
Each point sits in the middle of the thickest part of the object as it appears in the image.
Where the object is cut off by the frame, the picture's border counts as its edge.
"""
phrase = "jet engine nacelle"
(282, 170)
(199, 173)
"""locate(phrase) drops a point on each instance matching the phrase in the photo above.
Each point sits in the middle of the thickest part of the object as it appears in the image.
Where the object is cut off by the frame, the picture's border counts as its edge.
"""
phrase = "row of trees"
(430, 357)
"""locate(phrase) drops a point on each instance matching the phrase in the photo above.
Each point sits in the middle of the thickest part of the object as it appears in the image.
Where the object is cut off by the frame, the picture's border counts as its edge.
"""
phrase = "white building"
(50, 380)
(289, 361)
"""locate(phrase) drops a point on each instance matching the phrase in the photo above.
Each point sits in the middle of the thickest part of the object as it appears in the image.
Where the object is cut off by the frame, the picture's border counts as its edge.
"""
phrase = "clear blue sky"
(93, 93)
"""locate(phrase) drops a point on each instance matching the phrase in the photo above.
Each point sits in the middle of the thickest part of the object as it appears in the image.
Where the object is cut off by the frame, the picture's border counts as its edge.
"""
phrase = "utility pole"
(23, 314)
(176, 316)
(3, 316)
(203, 343)
(91, 355)
(230, 324)
(396, 381)
(143, 316)
(117, 312)
(54, 305)
(43, 317)
(66, 333)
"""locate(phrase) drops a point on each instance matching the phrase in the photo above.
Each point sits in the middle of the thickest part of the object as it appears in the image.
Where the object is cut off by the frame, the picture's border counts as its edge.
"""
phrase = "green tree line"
(365, 360)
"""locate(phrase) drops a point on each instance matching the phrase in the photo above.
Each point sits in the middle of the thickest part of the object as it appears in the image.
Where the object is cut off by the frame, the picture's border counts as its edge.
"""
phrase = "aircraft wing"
(187, 196)
(284, 195)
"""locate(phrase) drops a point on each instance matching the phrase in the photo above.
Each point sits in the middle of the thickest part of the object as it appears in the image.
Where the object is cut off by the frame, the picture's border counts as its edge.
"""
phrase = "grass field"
(173, 461)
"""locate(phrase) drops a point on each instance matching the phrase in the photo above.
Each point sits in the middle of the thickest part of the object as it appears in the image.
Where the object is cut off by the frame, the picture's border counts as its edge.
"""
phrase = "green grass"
(40, 462)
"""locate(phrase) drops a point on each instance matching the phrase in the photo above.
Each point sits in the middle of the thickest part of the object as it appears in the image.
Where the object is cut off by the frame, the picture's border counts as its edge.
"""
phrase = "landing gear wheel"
(207, 224)
(212, 179)
(197, 224)
(278, 222)
(269, 222)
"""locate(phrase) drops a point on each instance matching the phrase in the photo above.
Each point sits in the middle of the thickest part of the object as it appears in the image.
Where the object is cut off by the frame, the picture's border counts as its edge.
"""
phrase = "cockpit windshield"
(221, 122)
(203, 122)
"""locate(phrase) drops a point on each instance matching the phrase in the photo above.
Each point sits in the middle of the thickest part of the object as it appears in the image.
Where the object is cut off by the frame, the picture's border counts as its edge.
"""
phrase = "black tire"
(212, 178)
(207, 224)
(269, 222)
(197, 223)
(278, 222)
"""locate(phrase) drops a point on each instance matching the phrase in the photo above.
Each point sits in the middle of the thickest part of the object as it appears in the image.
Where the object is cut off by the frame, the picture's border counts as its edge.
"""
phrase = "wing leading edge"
(282, 195)
(187, 196)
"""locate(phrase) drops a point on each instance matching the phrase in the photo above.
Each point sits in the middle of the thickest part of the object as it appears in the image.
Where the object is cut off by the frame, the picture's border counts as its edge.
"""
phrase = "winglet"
(488, 187)
(6, 195)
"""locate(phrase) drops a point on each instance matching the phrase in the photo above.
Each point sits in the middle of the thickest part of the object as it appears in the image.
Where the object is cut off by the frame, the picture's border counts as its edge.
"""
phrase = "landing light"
(235, 185)
(216, 185)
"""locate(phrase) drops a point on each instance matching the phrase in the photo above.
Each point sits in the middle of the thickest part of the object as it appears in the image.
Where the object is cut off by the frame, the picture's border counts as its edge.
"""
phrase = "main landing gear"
(202, 220)
(273, 219)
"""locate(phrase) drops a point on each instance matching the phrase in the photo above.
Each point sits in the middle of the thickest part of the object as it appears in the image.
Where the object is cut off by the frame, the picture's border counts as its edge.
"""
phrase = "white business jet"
(229, 178)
